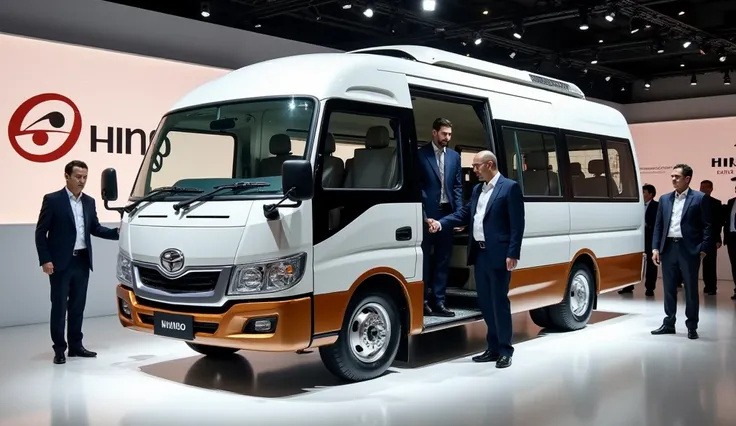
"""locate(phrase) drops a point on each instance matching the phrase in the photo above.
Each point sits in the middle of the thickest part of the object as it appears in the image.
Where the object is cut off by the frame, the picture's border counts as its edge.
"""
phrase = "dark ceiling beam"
(696, 71)
(641, 11)
(282, 8)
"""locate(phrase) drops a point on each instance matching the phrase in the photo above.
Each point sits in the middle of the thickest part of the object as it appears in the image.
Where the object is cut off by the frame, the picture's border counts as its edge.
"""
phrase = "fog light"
(125, 307)
(260, 325)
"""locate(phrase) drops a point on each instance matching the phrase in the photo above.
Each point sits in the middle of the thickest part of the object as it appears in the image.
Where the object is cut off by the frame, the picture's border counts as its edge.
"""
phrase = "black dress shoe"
(664, 330)
(427, 309)
(649, 293)
(82, 353)
(503, 362)
(486, 356)
(441, 311)
(692, 334)
(59, 358)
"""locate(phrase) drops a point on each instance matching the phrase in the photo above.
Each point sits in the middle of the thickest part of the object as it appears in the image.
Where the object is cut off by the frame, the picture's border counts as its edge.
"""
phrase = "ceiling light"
(478, 41)
(429, 5)
(512, 55)
(726, 79)
(485, 12)
(608, 78)
(687, 44)
(600, 41)
(346, 5)
(594, 60)
(647, 84)
(610, 16)
(584, 25)
(368, 12)
(634, 25)
(693, 80)
(682, 12)
(205, 10)
(518, 30)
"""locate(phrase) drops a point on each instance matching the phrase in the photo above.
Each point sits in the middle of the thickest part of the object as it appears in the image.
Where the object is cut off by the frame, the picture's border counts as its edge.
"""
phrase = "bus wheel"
(577, 306)
(540, 317)
(368, 341)
(212, 351)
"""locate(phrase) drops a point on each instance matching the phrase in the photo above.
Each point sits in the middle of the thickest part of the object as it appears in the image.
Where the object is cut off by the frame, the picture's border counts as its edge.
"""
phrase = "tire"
(212, 351)
(575, 310)
(350, 358)
(540, 317)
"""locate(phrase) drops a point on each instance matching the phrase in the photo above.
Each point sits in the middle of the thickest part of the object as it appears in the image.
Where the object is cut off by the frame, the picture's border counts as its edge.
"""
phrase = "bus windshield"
(223, 144)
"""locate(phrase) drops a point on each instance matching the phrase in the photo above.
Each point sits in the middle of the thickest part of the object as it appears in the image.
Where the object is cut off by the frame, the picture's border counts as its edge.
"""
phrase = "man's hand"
(655, 257)
(48, 268)
(718, 245)
(434, 226)
(702, 255)
(511, 263)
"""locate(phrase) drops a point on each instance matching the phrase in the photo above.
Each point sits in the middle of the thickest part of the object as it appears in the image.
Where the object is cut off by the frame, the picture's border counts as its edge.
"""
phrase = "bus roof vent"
(440, 58)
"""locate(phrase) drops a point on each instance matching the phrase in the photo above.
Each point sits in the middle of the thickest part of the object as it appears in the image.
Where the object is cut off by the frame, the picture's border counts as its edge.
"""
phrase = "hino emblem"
(172, 260)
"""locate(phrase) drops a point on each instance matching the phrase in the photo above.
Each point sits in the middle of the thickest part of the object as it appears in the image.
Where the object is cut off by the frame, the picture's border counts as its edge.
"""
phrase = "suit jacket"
(56, 231)
(430, 180)
(726, 219)
(650, 218)
(695, 223)
(716, 223)
(503, 223)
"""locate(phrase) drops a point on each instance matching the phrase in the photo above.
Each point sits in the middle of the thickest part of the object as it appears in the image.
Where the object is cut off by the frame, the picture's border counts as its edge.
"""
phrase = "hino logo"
(172, 260)
(173, 325)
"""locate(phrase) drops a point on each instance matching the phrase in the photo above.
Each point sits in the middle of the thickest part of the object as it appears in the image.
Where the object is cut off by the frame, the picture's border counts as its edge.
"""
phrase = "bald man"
(495, 216)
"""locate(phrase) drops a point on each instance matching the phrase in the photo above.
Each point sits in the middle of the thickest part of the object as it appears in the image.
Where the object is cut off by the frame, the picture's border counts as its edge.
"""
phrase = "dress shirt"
(78, 213)
(439, 155)
(480, 209)
(675, 230)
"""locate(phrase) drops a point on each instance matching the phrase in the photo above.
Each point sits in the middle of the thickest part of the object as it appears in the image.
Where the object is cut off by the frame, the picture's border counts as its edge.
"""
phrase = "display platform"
(611, 373)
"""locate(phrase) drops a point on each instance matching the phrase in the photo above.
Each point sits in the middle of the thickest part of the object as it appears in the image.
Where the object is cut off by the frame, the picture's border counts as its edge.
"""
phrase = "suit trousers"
(731, 248)
(679, 266)
(68, 298)
(492, 285)
(437, 249)
(710, 277)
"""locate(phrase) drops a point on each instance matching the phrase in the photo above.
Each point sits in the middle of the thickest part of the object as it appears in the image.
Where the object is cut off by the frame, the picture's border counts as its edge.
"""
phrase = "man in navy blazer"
(682, 237)
(495, 217)
(442, 194)
(64, 246)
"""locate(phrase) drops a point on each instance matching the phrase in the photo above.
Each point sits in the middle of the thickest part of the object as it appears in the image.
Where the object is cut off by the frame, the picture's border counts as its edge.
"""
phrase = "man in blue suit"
(442, 194)
(495, 216)
(64, 246)
(682, 238)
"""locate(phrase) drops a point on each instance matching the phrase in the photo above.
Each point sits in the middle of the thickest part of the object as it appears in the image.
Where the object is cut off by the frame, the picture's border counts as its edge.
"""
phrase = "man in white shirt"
(495, 216)
(681, 239)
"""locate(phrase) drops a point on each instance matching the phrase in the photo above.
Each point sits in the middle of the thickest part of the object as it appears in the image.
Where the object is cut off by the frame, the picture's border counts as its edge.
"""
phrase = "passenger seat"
(280, 147)
(374, 166)
(334, 169)
(538, 179)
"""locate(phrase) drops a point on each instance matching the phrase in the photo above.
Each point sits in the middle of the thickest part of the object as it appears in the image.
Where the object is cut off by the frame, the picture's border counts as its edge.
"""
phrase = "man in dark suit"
(710, 261)
(442, 191)
(682, 237)
(650, 216)
(64, 246)
(495, 217)
(729, 235)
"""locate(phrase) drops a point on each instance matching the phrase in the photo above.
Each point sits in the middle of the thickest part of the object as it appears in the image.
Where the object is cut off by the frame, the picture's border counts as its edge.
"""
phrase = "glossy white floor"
(611, 373)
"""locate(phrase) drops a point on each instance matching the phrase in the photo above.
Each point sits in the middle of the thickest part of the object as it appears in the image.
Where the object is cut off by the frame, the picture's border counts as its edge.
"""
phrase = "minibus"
(278, 207)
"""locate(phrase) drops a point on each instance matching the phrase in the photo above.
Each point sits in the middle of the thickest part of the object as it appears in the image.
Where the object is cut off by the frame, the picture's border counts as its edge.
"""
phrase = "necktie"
(441, 164)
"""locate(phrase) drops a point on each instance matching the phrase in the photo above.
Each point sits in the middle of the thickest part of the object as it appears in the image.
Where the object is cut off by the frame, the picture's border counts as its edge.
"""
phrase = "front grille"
(193, 282)
(199, 326)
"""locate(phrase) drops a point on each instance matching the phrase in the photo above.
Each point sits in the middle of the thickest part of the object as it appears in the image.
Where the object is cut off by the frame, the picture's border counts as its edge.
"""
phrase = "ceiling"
(552, 40)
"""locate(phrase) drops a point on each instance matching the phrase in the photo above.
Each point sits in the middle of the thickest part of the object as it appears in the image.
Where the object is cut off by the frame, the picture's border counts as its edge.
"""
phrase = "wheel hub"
(369, 333)
(579, 294)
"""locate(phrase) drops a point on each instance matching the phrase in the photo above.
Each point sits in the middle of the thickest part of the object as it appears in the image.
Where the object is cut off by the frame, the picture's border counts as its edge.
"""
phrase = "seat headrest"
(376, 137)
(537, 160)
(576, 169)
(596, 167)
(329, 144)
(280, 144)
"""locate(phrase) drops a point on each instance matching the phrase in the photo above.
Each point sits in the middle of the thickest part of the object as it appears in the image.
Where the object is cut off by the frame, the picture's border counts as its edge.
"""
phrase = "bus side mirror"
(109, 185)
(296, 180)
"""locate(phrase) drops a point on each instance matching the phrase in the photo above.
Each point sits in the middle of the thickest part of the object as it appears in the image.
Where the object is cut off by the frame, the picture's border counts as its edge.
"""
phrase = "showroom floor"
(611, 373)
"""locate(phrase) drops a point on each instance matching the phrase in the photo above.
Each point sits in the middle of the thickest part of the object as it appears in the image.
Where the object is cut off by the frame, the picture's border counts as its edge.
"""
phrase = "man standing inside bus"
(682, 238)
(442, 192)
(495, 217)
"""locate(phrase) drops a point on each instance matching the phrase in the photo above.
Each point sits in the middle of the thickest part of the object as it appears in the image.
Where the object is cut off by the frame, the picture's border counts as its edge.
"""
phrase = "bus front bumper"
(275, 326)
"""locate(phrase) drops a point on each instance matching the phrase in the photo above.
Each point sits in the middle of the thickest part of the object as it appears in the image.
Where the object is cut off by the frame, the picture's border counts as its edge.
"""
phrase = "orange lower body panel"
(293, 326)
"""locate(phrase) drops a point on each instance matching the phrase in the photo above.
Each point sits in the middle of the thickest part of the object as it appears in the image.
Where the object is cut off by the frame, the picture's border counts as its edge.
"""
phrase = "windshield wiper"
(155, 193)
(208, 195)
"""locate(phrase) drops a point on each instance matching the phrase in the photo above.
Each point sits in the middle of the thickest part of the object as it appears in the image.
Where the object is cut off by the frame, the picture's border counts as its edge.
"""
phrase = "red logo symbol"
(40, 137)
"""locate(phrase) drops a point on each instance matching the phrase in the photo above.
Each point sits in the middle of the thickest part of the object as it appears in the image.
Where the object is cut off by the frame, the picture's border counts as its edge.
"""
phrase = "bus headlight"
(124, 269)
(267, 277)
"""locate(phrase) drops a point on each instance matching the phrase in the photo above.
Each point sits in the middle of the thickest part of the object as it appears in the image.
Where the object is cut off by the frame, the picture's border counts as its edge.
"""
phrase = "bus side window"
(621, 168)
(532, 161)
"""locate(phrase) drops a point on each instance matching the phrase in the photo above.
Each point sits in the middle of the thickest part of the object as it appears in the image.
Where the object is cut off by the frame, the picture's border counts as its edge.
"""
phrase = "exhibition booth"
(71, 102)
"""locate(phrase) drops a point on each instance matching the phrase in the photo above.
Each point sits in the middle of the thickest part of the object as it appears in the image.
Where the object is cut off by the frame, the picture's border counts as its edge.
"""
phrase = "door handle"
(403, 234)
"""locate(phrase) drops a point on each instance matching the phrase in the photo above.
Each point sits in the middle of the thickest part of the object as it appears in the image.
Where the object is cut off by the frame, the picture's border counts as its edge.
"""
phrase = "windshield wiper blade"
(208, 195)
(155, 193)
